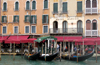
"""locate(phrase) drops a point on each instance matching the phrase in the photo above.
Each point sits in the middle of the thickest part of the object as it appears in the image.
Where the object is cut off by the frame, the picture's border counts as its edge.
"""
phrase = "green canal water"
(8, 60)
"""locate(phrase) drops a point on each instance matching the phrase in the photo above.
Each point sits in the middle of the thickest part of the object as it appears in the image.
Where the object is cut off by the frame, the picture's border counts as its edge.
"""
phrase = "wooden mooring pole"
(14, 51)
(96, 52)
(69, 49)
(77, 52)
(45, 51)
(60, 50)
(0, 51)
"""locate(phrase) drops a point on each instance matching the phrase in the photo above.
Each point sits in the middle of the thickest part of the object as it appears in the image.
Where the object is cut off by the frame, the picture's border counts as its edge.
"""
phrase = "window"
(55, 8)
(27, 18)
(16, 29)
(94, 3)
(88, 4)
(64, 7)
(4, 6)
(94, 25)
(45, 4)
(4, 19)
(45, 19)
(33, 29)
(16, 19)
(33, 5)
(16, 6)
(27, 5)
(4, 29)
(45, 29)
(33, 19)
(26, 29)
(79, 6)
(88, 25)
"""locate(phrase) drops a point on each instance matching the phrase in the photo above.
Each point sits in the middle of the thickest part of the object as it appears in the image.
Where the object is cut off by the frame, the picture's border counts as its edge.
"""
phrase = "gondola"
(32, 56)
(49, 57)
(80, 58)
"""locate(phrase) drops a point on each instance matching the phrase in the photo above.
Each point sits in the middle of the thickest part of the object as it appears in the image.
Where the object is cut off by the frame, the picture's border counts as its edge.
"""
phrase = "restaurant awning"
(2, 38)
(40, 39)
(68, 38)
(15, 39)
(31, 40)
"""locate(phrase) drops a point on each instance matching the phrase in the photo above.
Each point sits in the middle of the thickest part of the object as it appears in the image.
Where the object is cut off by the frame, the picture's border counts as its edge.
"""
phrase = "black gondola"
(48, 58)
(32, 56)
(80, 58)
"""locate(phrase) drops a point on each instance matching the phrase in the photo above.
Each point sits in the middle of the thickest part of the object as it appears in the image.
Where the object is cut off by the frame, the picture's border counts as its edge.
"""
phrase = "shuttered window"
(5, 6)
(33, 19)
(33, 29)
(79, 6)
(27, 5)
(4, 19)
(64, 7)
(27, 18)
(45, 29)
(16, 6)
(55, 8)
(16, 19)
(4, 29)
(34, 5)
(26, 29)
(16, 29)
(45, 19)
(45, 4)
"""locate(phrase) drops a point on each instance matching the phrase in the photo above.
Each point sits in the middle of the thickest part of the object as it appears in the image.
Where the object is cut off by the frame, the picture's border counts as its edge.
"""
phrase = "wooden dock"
(8, 53)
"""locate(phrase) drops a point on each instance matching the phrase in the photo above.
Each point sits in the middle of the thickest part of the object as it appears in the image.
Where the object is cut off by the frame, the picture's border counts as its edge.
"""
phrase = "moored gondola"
(48, 57)
(80, 58)
(32, 56)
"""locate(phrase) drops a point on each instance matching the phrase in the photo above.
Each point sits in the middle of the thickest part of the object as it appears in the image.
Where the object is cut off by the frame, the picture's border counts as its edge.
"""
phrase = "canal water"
(8, 60)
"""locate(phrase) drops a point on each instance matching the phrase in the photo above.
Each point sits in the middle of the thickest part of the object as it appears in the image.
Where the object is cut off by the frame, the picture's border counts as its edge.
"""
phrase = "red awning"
(31, 40)
(2, 38)
(68, 38)
(15, 39)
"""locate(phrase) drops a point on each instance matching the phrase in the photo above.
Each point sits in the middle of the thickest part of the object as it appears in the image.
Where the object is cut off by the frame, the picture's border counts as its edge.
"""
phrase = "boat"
(32, 56)
(80, 58)
(48, 57)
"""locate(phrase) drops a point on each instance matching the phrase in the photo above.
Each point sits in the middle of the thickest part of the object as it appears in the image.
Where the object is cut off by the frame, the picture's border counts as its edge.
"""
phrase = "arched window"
(34, 5)
(45, 4)
(88, 25)
(55, 27)
(88, 4)
(79, 26)
(94, 25)
(4, 6)
(27, 5)
(94, 3)
(16, 6)
(65, 26)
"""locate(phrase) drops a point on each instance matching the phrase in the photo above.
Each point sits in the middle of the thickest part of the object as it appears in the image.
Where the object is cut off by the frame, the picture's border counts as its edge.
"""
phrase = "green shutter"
(16, 6)
(42, 18)
(55, 7)
(64, 7)
(45, 4)
(14, 18)
(47, 18)
(33, 5)
(35, 19)
(31, 19)
(25, 18)
(27, 5)
(18, 18)
(2, 18)
(5, 6)
(79, 6)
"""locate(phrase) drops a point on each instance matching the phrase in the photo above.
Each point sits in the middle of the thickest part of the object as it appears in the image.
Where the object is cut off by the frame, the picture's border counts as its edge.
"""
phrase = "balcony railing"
(91, 10)
(66, 30)
(91, 33)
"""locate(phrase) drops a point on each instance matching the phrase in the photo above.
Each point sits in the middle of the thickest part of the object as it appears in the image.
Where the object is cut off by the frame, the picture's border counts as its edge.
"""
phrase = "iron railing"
(91, 10)
(91, 32)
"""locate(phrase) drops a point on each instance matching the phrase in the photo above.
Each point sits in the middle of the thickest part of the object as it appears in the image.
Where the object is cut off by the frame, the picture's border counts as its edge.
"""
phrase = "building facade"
(66, 17)
(25, 17)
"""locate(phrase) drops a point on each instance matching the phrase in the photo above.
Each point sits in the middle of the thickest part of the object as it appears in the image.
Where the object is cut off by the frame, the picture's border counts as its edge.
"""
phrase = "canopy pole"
(83, 47)
(60, 50)
(28, 50)
(69, 49)
(56, 46)
(96, 52)
(0, 51)
(48, 46)
(14, 51)
(63, 47)
(77, 52)
(22, 51)
(42, 48)
(10, 47)
(51, 47)
(45, 51)
(72, 48)
(34, 47)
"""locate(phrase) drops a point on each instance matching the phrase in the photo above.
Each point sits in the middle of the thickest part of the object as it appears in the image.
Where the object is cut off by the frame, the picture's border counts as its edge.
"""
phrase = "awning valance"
(31, 40)
(2, 38)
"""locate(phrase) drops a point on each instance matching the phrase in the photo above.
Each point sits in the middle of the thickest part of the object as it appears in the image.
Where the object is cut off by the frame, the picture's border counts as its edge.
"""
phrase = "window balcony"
(91, 32)
(91, 10)
(66, 30)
